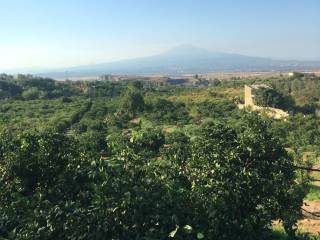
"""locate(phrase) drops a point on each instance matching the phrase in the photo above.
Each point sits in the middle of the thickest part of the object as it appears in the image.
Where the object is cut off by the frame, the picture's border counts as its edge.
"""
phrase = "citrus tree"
(225, 183)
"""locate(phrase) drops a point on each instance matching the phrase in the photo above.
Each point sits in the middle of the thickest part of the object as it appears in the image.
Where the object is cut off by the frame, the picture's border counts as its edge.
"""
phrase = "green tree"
(41, 180)
(31, 93)
(132, 100)
(241, 179)
(268, 97)
(227, 183)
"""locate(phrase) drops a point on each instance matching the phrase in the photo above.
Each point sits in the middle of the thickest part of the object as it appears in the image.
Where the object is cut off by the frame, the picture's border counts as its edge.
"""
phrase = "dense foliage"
(164, 111)
(230, 184)
(29, 87)
(108, 160)
(268, 97)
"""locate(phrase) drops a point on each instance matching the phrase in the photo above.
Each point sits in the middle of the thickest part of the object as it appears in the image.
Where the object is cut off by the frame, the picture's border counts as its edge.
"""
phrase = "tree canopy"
(227, 183)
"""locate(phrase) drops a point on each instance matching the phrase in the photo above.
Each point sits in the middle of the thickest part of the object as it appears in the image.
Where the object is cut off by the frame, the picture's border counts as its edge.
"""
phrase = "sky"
(50, 34)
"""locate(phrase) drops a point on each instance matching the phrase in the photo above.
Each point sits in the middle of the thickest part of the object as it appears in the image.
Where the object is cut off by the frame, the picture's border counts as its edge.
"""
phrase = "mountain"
(184, 60)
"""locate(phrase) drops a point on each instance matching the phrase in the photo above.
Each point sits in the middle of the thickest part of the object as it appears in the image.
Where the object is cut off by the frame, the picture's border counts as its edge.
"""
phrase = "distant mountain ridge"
(185, 60)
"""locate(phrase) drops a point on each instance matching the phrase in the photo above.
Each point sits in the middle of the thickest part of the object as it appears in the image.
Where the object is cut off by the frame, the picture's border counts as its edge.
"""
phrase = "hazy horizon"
(48, 35)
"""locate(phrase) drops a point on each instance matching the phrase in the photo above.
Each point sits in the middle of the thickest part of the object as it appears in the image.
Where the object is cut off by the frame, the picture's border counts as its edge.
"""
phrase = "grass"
(314, 193)
(211, 94)
(279, 234)
(145, 123)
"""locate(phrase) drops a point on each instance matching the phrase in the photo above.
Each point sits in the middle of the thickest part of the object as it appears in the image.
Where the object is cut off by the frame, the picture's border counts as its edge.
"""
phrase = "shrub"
(228, 183)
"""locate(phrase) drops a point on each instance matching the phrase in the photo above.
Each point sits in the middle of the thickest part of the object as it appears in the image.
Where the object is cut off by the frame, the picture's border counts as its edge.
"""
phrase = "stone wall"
(248, 98)
(249, 104)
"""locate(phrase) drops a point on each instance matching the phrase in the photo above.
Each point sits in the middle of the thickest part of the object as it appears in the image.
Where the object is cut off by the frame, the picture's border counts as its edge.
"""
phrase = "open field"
(251, 75)
(211, 75)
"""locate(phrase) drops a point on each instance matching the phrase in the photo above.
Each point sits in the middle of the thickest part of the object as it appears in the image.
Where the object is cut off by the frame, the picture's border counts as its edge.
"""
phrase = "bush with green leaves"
(147, 140)
(298, 131)
(239, 180)
(161, 110)
(93, 142)
(33, 93)
(227, 183)
(31, 87)
(41, 114)
(132, 100)
(41, 185)
(217, 109)
(267, 97)
(8, 89)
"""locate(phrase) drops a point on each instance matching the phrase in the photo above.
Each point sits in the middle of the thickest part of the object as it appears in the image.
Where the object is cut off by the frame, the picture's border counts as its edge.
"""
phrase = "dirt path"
(310, 223)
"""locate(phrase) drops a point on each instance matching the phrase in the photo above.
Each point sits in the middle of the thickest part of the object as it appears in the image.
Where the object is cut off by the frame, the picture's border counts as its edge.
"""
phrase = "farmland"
(152, 161)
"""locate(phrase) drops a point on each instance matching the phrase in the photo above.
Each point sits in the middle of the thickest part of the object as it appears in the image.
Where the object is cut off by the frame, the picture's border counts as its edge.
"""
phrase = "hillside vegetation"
(141, 160)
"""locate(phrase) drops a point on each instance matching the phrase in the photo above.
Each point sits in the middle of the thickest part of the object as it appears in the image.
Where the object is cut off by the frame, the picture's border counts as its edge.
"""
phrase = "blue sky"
(49, 34)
